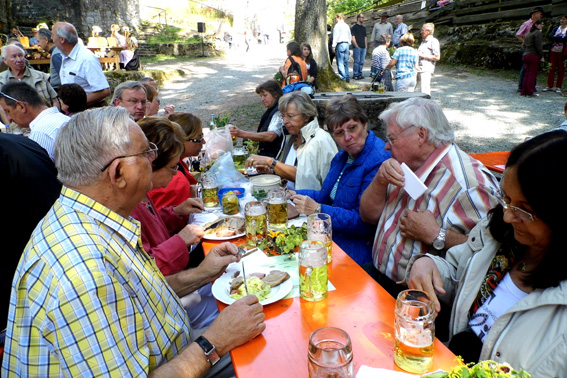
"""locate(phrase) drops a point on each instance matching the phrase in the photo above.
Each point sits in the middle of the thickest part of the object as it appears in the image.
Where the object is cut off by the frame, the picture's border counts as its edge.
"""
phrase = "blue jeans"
(341, 53)
(359, 55)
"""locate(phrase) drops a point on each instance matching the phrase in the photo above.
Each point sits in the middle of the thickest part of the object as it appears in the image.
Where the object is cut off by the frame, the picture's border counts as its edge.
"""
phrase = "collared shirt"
(525, 28)
(379, 29)
(36, 79)
(82, 67)
(407, 59)
(400, 30)
(460, 191)
(45, 126)
(341, 33)
(87, 300)
(429, 46)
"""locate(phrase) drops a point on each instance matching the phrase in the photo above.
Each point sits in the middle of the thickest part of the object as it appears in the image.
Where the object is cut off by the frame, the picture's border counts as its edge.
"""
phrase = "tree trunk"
(311, 27)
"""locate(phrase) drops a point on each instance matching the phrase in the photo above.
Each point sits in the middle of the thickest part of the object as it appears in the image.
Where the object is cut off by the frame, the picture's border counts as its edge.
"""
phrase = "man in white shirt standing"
(429, 52)
(380, 28)
(341, 43)
(80, 65)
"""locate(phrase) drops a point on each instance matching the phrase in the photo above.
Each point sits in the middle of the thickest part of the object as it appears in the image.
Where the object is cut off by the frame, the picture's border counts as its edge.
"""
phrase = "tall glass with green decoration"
(313, 278)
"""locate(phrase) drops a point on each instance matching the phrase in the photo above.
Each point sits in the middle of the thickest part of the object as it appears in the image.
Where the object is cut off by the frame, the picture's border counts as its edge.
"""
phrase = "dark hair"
(45, 33)
(535, 24)
(342, 109)
(294, 48)
(310, 56)
(384, 39)
(74, 96)
(166, 135)
(538, 160)
(22, 92)
(190, 123)
(151, 92)
(272, 87)
(407, 40)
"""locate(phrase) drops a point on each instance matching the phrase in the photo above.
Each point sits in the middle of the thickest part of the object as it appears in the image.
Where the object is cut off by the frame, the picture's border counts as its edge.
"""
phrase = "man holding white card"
(427, 197)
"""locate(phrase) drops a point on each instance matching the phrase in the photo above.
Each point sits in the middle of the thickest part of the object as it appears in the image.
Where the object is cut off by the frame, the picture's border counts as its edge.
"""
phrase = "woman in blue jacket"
(352, 170)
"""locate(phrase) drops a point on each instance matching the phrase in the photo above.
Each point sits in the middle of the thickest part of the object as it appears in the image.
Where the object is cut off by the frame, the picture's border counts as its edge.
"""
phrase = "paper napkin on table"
(413, 185)
(370, 372)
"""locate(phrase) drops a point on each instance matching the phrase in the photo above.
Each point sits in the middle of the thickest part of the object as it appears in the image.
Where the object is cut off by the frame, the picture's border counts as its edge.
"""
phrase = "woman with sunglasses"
(508, 282)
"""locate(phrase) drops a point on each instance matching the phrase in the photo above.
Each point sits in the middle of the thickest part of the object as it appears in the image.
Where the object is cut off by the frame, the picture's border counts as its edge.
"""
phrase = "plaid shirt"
(406, 58)
(88, 301)
(460, 191)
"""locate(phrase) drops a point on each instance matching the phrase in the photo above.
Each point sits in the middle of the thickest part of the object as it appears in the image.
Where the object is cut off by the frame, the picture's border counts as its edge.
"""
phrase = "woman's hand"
(192, 234)
(425, 276)
(304, 205)
(168, 110)
(261, 163)
(289, 193)
(189, 206)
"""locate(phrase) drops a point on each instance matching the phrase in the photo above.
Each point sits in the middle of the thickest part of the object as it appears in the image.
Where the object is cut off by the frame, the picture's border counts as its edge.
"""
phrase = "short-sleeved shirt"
(399, 31)
(87, 300)
(83, 67)
(55, 67)
(429, 46)
(359, 33)
(407, 59)
(45, 127)
(460, 192)
(525, 28)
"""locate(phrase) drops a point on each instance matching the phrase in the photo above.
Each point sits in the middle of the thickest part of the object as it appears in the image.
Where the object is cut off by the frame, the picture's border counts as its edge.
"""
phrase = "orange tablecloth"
(494, 161)
(358, 305)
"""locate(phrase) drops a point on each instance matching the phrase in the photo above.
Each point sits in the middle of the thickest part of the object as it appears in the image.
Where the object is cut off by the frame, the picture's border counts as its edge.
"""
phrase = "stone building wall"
(84, 14)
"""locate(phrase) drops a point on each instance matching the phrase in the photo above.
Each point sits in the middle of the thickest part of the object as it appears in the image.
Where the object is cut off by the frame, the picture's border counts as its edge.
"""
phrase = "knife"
(244, 277)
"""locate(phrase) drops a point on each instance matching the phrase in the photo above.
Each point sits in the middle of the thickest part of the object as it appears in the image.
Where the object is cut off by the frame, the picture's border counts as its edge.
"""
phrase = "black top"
(312, 71)
(269, 148)
(28, 189)
(359, 33)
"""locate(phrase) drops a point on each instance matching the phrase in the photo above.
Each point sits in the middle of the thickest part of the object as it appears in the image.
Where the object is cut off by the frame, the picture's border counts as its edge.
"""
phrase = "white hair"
(421, 112)
(399, 16)
(68, 32)
(5, 50)
(88, 142)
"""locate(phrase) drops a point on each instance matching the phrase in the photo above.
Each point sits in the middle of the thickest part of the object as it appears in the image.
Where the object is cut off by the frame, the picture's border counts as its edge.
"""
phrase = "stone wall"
(84, 14)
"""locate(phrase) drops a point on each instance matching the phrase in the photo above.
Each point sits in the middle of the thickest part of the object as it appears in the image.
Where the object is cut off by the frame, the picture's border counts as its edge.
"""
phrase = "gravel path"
(486, 111)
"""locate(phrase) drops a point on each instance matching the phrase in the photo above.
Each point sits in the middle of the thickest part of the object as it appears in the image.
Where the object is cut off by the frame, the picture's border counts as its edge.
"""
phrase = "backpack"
(293, 72)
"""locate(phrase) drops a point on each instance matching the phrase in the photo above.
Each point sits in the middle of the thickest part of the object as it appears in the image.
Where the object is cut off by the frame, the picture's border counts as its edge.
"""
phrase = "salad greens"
(484, 369)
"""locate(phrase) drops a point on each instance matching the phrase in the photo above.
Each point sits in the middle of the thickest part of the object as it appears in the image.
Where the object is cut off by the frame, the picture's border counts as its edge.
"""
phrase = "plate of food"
(226, 228)
(269, 285)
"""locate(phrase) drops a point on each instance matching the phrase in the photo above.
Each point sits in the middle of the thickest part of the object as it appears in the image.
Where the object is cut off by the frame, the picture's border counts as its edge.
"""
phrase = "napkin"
(413, 185)
(370, 372)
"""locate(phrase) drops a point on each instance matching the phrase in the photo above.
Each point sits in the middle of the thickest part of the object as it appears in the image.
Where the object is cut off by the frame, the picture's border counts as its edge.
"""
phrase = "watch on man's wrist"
(209, 349)
(439, 242)
(274, 162)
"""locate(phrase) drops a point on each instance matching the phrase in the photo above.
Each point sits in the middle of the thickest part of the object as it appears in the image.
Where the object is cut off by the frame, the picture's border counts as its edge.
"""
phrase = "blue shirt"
(407, 59)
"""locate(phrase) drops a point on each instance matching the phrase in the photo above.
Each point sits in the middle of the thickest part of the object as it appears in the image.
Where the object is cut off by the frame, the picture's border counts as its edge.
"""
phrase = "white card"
(413, 185)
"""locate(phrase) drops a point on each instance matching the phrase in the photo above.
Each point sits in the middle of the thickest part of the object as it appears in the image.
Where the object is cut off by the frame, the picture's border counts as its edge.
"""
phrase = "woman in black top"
(307, 55)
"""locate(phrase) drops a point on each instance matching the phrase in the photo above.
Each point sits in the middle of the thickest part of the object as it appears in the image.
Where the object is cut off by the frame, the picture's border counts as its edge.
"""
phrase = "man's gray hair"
(421, 112)
(68, 32)
(429, 26)
(302, 102)
(126, 85)
(399, 16)
(5, 50)
(45, 33)
(89, 141)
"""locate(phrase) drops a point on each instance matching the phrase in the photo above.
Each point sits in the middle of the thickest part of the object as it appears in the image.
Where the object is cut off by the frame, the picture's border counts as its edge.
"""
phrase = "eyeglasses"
(196, 140)
(351, 129)
(152, 153)
(392, 138)
(9, 97)
(521, 214)
(136, 102)
(288, 116)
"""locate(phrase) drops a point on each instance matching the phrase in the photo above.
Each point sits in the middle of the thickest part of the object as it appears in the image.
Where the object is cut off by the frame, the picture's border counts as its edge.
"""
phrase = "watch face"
(438, 244)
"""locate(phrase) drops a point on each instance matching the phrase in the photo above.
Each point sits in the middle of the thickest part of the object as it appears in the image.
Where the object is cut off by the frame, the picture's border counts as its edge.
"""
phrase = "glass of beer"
(313, 277)
(210, 190)
(277, 209)
(330, 353)
(320, 227)
(414, 331)
(255, 223)
(239, 157)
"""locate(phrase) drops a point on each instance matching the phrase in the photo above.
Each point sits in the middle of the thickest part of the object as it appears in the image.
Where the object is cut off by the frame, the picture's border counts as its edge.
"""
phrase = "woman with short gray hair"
(305, 157)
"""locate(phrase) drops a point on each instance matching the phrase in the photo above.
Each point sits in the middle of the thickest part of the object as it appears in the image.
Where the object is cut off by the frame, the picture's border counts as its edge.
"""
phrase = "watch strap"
(209, 349)
(274, 163)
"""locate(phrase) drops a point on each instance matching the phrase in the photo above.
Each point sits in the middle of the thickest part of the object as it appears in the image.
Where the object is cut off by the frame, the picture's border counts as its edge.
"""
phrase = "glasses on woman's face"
(151, 153)
(521, 214)
(287, 116)
(200, 140)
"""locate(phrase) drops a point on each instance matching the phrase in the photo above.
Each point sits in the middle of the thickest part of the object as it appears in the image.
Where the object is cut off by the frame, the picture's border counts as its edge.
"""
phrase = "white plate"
(220, 238)
(221, 287)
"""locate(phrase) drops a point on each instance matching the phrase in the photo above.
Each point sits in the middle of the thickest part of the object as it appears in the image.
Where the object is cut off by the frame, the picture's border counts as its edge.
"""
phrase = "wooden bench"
(103, 61)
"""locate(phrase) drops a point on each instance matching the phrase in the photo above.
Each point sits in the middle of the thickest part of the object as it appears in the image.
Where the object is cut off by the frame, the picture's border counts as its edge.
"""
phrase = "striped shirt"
(45, 127)
(380, 58)
(406, 58)
(460, 191)
(88, 301)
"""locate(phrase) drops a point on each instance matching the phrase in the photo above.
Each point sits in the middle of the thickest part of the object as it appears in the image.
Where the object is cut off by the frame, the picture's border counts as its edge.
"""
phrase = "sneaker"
(547, 89)
(558, 90)
(533, 95)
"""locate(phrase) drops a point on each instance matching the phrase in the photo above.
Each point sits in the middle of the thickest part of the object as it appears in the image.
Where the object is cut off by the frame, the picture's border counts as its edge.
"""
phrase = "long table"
(359, 306)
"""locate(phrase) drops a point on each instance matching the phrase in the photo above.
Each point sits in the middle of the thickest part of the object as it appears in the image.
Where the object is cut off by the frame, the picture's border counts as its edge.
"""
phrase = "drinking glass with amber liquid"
(277, 209)
(255, 223)
(210, 190)
(313, 275)
(320, 227)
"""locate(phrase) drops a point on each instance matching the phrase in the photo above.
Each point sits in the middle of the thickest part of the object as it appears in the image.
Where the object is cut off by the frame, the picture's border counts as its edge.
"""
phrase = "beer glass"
(210, 190)
(255, 223)
(414, 331)
(239, 157)
(277, 209)
(313, 277)
(330, 354)
(320, 228)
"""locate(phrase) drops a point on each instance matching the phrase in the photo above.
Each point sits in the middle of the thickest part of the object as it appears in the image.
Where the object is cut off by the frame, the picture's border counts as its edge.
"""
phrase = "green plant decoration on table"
(484, 369)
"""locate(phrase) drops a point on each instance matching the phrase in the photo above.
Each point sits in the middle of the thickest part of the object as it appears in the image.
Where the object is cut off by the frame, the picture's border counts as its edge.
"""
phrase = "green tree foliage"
(346, 6)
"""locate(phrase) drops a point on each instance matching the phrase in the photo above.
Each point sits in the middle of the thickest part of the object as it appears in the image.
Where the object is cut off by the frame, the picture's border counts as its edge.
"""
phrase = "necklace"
(522, 267)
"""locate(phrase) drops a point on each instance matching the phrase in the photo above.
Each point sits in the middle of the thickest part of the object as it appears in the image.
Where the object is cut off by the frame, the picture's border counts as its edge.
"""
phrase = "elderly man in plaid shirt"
(87, 300)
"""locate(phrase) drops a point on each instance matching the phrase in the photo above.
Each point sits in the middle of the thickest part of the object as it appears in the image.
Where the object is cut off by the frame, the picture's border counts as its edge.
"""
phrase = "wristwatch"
(209, 349)
(274, 162)
(318, 209)
(439, 242)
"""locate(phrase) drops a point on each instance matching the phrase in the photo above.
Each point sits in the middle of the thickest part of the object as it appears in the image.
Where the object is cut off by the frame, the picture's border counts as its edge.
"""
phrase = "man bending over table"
(86, 298)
